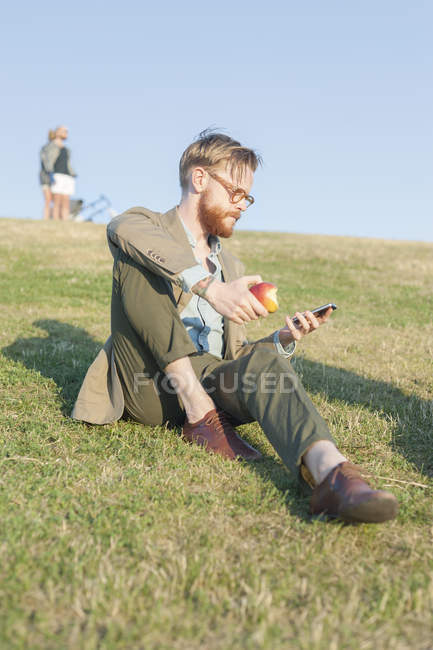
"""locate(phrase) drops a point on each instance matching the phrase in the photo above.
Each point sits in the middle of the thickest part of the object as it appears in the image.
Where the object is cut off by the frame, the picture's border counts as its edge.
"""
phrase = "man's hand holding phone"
(304, 323)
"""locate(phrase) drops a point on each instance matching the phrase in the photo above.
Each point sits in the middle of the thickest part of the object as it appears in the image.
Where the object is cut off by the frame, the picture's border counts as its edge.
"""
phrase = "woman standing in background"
(57, 161)
(44, 177)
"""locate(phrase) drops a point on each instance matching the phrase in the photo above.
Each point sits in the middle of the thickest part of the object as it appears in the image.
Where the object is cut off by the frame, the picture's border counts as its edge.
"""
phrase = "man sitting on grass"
(178, 352)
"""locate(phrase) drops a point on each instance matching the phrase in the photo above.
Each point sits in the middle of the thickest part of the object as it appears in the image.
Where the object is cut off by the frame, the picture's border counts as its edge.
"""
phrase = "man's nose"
(242, 205)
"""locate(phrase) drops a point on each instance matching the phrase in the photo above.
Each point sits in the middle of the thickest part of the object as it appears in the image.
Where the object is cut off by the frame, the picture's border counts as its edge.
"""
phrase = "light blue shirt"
(202, 322)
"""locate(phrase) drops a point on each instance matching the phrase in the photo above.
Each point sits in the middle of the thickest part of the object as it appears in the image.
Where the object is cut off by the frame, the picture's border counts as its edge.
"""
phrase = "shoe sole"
(381, 508)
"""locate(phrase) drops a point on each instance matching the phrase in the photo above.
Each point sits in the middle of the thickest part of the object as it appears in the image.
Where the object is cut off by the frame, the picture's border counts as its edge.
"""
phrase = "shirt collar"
(213, 241)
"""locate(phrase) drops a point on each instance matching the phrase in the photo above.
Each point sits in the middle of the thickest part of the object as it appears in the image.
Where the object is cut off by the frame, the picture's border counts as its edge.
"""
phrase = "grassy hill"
(125, 537)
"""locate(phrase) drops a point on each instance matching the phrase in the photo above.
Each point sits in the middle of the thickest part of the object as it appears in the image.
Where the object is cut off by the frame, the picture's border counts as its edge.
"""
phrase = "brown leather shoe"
(345, 494)
(216, 434)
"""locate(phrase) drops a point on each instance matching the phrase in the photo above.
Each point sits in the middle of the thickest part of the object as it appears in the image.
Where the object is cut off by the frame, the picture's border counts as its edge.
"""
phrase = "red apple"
(266, 292)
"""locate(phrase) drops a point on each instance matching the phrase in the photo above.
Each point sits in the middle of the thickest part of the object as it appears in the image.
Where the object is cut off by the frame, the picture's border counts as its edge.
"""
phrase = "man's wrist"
(284, 336)
(285, 345)
(201, 287)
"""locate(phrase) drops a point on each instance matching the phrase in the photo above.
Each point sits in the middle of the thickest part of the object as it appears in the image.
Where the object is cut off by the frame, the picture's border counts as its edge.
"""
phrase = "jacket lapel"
(229, 273)
(173, 226)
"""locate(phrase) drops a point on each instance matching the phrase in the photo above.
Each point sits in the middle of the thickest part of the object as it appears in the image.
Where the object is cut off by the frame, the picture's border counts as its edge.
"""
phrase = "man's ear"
(199, 179)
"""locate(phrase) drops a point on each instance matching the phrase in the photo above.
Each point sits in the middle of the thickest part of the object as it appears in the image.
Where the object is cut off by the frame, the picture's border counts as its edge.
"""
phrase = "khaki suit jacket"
(159, 243)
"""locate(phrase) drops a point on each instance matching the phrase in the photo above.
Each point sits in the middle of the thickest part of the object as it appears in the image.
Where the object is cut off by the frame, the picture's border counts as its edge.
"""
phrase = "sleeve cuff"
(286, 352)
(191, 276)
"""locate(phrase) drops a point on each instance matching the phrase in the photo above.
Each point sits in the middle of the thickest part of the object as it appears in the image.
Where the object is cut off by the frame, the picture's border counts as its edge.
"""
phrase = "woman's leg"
(48, 197)
(65, 207)
(57, 200)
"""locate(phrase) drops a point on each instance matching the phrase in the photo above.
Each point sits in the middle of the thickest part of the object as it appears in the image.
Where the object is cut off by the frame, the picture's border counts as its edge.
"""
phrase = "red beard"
(213, 218)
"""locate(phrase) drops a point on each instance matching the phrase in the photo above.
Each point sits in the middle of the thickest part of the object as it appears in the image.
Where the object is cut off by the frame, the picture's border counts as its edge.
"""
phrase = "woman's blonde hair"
(51, 134)
(210, 149)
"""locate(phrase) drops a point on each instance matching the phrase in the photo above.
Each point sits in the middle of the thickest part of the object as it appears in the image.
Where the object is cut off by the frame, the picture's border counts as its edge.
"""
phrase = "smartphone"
(319, 311)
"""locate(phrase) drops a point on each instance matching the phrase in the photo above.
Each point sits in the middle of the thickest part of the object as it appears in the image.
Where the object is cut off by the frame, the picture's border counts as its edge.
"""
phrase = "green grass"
(124, 537)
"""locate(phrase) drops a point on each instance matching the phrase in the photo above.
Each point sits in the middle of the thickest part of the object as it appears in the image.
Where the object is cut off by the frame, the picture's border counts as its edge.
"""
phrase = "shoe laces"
(219, 422)
(349, 470)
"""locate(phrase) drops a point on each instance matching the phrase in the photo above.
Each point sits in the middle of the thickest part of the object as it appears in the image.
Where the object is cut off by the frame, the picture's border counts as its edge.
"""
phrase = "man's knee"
(269, 372)
(153, 400)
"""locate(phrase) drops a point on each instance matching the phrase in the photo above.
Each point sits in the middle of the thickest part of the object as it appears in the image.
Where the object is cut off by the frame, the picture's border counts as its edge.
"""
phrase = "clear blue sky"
(337, 96)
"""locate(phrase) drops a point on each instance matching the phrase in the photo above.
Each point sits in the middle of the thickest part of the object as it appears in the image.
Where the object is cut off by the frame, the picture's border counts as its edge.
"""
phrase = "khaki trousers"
(260, 386)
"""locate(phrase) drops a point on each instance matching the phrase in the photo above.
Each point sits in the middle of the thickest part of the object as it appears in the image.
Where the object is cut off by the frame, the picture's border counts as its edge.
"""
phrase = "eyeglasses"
(236, 194)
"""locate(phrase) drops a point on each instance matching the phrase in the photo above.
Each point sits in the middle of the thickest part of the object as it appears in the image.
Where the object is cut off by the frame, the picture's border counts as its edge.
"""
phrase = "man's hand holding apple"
(235, 301)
